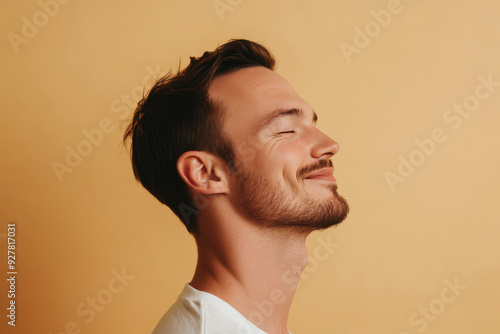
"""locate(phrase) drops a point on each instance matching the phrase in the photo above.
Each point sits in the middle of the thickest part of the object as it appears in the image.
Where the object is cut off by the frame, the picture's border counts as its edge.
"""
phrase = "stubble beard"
(270, 205)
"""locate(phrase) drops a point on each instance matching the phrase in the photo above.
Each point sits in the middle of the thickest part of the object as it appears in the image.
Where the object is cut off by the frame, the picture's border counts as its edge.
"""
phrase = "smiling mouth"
(322, 174)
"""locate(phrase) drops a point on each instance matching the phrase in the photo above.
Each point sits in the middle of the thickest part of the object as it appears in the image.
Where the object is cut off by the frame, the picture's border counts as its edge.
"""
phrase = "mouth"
(325, 174)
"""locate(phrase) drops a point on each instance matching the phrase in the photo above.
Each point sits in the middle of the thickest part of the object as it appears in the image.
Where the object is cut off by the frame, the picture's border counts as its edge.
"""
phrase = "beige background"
(393, 254)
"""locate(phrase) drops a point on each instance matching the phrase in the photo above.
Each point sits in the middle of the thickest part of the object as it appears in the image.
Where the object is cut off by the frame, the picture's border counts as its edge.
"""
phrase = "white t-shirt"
(199, 312)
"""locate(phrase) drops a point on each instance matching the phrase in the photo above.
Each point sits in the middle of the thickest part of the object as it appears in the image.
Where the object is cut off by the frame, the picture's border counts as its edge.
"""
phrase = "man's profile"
(234, 151)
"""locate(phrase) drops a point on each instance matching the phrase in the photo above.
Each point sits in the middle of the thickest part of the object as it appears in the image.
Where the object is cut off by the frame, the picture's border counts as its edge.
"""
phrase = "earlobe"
(202, 173)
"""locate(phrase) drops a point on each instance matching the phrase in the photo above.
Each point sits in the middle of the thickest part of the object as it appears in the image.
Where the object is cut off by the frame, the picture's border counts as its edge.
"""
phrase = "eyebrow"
(284, 113)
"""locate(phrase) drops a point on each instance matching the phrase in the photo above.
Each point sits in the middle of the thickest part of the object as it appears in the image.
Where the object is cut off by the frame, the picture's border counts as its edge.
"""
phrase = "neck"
(256, 270)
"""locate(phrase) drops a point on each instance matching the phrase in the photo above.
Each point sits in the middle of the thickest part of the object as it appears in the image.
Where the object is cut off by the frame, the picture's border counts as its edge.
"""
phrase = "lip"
(322, 174)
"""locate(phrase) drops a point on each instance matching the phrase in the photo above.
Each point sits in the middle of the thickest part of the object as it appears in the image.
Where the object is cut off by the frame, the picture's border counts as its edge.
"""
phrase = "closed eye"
(283, 132)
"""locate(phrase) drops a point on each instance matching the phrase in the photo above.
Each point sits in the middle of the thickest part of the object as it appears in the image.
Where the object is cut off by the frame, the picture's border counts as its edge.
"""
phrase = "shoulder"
(198, 312)
(184, 316)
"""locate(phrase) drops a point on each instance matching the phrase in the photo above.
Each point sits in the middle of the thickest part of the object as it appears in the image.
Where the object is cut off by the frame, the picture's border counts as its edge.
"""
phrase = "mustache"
(301, 173)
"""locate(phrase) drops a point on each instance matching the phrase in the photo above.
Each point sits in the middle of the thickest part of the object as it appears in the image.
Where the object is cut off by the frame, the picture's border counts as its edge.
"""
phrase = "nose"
(324, 146)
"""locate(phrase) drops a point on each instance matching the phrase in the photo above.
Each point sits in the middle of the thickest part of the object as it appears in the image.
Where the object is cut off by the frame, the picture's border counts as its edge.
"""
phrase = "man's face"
(283, 169)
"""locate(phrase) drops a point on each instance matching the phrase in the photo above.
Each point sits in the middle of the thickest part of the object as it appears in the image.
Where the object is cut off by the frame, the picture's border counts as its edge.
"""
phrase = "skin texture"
(258, 211)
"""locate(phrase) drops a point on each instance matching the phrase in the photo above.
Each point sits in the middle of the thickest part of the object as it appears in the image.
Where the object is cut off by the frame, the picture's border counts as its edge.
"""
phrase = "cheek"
(277, 163)
(276, 168)
(291, 158)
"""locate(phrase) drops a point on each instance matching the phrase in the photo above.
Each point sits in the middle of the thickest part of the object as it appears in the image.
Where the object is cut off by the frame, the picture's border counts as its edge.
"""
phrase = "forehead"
(249, 95)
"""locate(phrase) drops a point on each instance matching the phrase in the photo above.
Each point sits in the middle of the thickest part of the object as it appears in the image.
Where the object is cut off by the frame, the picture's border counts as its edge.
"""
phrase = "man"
(233, 150)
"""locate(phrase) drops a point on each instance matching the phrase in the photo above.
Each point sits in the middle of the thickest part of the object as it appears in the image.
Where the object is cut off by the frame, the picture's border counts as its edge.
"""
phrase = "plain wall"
(377, 93)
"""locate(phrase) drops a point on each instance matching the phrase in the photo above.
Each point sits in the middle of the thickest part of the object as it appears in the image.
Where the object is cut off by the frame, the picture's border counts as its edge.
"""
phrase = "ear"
(203, 172)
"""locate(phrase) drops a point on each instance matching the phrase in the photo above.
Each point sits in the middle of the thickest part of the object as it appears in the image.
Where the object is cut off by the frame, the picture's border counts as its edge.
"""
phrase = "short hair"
(177, 116)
